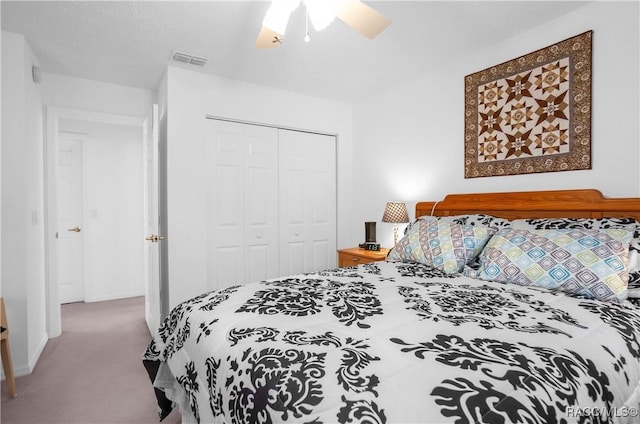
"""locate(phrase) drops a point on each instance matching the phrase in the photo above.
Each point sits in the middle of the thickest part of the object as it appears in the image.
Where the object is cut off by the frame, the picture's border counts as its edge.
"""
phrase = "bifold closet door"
(242, 203)
(307, 201)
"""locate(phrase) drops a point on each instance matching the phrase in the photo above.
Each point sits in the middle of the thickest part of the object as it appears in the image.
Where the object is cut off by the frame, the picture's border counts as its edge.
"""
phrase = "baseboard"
(33, 360)
(113, 296)
(19, 372)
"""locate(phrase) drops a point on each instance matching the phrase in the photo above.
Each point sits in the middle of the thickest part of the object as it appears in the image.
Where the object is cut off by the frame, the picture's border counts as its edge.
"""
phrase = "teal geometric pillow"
(592, 263)
(629, 224)
(445, 246)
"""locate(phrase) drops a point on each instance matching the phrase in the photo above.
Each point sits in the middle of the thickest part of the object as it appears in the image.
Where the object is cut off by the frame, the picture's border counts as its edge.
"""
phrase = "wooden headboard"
(534, 204)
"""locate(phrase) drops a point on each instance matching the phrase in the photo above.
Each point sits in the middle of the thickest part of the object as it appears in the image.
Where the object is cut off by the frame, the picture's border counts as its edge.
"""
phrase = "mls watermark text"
(601, 411)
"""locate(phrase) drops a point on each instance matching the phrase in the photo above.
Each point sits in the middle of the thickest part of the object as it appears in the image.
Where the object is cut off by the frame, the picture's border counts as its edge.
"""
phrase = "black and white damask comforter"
(393, 342)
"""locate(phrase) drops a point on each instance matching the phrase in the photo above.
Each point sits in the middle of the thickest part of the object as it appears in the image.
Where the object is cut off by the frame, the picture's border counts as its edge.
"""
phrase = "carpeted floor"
(92, 373)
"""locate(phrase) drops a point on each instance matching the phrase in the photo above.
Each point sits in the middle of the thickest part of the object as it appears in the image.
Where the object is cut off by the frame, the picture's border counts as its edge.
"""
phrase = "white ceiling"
(129, 42)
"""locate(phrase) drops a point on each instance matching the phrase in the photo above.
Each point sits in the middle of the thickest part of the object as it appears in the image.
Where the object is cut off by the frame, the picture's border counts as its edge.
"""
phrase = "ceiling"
(130, 42)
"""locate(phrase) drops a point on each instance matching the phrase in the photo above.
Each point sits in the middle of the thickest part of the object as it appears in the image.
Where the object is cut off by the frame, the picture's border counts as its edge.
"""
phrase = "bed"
(491, 333)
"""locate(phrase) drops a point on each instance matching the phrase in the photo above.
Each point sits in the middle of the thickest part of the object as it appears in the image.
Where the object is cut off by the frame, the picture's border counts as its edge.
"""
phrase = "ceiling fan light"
(278, 14)
(322, 12)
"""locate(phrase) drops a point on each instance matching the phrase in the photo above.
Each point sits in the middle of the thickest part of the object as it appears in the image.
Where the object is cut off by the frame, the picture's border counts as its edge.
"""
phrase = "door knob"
(154, 238)
(75, 229)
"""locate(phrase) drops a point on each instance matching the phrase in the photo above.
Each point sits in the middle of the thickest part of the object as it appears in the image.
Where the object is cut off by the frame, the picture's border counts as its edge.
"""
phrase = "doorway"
(95, 234)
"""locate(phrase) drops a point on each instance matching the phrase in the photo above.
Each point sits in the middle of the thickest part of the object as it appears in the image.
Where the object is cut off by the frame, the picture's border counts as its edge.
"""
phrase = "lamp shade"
(395, 212)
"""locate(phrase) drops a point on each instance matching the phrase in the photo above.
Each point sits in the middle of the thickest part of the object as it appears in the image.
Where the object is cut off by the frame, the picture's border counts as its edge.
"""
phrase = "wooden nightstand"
(356, 256)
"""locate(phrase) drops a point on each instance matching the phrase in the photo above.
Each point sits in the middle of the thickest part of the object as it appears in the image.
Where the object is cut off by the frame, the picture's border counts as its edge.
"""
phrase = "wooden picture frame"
(531, 114)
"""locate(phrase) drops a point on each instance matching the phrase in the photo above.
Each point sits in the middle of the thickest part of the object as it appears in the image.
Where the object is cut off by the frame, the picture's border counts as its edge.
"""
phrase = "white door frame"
(52, 118)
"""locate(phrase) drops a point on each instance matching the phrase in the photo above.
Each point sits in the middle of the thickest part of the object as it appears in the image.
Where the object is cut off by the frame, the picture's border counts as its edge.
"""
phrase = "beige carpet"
(93, 373)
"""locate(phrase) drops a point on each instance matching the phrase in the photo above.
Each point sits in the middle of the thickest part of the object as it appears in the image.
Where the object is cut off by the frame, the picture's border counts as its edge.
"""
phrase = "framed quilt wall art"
(531, 114)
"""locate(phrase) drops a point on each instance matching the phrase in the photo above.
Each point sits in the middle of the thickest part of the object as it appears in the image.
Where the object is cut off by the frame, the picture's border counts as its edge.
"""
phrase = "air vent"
(188, 59)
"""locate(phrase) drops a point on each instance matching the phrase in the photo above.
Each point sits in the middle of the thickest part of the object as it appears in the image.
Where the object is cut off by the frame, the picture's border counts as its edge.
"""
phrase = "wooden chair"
(6, 351)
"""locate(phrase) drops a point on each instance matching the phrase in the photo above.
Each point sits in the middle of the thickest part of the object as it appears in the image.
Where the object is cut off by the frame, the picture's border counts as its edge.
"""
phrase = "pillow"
(591, 263)
(634, 268)
(478, 219)
(595, 223)
(445, 246)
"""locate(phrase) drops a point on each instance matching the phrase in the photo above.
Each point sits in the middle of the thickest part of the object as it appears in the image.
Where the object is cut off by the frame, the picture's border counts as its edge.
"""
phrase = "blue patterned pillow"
(445, 246)
(591, 263)
(595, 224)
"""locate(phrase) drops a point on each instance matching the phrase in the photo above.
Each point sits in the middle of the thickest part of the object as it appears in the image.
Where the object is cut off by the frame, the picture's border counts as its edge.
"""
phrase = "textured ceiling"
(129, 42)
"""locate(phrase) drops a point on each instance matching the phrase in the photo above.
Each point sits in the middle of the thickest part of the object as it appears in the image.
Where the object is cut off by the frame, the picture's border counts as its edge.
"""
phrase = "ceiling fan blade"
(268, 39)
(364, 19)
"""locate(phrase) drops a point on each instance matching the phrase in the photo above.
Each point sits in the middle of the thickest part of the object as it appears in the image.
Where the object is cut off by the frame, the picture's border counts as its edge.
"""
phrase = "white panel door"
(225, 232)
(307, 202)
(322, 216)
(152, 250)
(241, 203)
(261, 202)
(70, 221)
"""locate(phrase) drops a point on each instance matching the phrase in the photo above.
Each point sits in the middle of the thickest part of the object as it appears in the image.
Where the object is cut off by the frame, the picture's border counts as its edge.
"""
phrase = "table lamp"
(395, 213)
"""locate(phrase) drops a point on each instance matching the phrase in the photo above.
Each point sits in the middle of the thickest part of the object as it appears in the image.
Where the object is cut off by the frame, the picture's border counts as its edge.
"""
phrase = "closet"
(271, 202)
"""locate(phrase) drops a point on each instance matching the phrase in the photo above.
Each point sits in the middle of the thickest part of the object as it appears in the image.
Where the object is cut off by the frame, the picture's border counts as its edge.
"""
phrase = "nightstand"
(356, 256)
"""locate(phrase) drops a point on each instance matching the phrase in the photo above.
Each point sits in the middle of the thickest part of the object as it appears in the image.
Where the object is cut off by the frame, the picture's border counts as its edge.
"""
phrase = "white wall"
(114, 200)
(23, 270)
(412, 136)
(83, 94)
(190, 97)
